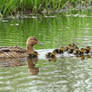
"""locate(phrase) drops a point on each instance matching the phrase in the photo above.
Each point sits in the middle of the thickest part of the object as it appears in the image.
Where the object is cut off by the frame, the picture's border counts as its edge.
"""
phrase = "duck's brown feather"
(12, 52)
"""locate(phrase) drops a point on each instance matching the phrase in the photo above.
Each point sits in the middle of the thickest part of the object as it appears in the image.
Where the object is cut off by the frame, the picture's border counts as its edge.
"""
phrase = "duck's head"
(31, 41)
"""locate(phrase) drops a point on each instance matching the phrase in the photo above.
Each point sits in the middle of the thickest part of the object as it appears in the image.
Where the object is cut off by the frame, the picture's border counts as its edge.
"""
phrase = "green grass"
(12, 7)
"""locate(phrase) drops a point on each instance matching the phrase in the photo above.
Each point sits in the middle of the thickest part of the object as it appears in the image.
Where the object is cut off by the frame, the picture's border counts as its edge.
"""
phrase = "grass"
(13, 7)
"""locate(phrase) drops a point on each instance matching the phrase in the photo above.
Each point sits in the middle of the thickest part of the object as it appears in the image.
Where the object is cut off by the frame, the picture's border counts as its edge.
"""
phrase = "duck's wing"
(12, 52)
(12, 49)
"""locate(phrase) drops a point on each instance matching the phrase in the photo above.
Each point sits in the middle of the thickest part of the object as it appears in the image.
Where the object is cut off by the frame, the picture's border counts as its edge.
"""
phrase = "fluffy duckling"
(72, 47)
(59, 51)
(62, 49)
(81, 52)
(76, 51)
(67, 47)
(87, 50)
(50, 55)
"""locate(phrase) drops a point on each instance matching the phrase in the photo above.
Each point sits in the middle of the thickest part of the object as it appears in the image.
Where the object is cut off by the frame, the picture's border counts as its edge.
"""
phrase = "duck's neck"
(30, 49)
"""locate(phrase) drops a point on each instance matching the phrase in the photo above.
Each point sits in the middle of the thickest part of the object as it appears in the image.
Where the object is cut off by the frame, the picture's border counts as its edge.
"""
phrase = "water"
(68, 74)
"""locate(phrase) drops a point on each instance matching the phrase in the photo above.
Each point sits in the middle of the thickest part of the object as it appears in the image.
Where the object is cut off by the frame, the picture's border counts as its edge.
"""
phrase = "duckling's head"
(69, 46)
(82, 50)
(62, 48)
(88, 48)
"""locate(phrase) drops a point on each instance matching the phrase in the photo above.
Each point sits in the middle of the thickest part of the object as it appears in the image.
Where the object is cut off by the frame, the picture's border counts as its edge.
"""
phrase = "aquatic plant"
(13, 7)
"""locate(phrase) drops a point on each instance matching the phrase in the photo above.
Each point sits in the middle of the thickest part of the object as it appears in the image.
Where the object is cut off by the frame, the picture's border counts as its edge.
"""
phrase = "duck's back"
(12, 52)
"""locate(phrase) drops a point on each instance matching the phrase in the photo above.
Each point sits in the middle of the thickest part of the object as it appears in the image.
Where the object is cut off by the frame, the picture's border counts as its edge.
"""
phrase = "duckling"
(74, 45)
(58, 51)
(70, 49)
(67, 47)
(76, 51)
(87, 50)
(81, 52)
(62, 49)
(50, 55)
(19, 52)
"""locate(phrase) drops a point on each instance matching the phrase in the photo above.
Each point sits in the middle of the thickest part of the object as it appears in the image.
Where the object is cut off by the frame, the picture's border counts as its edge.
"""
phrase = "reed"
(12, 7)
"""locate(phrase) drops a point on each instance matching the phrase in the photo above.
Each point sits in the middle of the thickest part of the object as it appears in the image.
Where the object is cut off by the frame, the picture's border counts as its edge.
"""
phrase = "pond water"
(68, 74)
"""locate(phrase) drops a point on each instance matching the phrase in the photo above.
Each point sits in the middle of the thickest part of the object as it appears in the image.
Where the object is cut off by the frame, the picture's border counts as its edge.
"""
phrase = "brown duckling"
(70, 49)
(66, 48)
(62, 49)
(81, 52)
(18, 52)
(57, 51)
(74, 45)
(87, 50)
(76, 51)
(50, 55)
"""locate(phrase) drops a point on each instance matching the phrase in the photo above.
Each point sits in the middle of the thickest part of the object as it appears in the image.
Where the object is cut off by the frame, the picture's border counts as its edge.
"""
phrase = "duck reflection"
(32, 60)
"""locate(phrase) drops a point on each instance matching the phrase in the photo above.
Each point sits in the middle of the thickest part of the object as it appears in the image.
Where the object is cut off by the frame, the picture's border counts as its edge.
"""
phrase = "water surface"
(68, 74)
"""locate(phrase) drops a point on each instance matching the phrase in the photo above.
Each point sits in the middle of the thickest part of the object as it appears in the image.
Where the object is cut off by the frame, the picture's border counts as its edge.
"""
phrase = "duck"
(19, 52)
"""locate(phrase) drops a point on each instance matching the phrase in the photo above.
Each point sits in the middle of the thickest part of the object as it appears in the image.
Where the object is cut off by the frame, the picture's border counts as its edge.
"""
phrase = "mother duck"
(19, 52)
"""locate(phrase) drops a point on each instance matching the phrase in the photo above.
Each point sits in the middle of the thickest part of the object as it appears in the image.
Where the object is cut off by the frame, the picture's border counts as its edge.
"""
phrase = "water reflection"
(31, 64)
(69, 74)
(12, 62)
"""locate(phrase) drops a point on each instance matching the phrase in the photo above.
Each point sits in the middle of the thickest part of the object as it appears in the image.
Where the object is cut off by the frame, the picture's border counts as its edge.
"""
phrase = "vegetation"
(14, 7)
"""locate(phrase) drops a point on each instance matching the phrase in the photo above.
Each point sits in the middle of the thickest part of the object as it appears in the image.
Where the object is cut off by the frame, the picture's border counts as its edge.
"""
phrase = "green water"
(66, 74)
